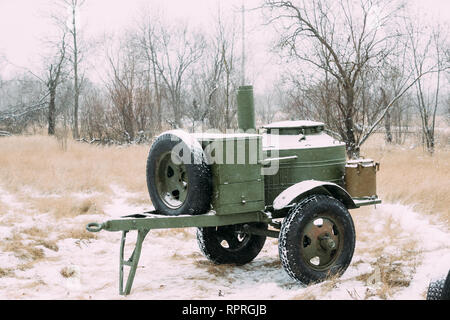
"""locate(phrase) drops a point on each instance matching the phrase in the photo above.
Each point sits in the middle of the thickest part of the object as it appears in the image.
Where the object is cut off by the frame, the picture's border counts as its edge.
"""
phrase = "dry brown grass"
(67, 206)
(306, 295)
(67, 272)
(40, 237)
(409, 175)
(218, 271)
(34, 284)
(40, 163)
(79, 234)
(34, 232)
(330, 284)
(396, 256)
(24, 251)
(49, 244)
(26, 245)
(47, 177)
(389, 275)
(6, 272)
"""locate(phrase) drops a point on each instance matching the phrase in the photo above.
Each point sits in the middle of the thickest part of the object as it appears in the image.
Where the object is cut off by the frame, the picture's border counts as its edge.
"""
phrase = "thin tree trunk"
(387, 119)
(352, 147)
(51, 113)
(75, 70)
(387, 127)
(157, 94)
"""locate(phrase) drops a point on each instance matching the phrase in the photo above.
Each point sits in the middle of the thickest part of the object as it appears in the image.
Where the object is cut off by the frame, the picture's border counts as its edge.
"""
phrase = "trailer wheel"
(178, 187)
(228, 245)
(317, 239)
(439, 289)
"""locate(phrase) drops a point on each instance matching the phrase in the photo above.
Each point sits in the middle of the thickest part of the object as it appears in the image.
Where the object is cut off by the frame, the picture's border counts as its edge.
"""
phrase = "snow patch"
(171, 266)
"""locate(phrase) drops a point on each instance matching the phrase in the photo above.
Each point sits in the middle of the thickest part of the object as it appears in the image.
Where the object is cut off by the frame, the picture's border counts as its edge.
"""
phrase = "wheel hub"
(327, 243)
(231, 238)
(172, 181)
(321, 240)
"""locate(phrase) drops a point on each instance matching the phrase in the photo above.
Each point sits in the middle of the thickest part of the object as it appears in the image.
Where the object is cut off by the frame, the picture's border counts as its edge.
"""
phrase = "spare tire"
(179, 180)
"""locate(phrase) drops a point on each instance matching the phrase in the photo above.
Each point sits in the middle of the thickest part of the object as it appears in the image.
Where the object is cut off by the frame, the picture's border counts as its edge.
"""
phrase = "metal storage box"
(360, 178)
(238, 186)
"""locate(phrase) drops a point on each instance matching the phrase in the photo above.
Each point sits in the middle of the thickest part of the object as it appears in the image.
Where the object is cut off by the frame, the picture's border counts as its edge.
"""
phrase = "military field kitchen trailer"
(288, 180)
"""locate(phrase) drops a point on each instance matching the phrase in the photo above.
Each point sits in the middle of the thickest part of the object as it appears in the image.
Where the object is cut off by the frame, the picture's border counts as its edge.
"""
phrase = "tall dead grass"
(68, 179)
(66, 205)
(409, 175)
(41, 163)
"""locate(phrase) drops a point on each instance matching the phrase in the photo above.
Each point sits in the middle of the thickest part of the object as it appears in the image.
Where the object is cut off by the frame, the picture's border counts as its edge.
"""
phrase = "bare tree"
(426, 50)
(24, 102)
(171, 51)
(341, 54)
(344, 40)
(147, 42)
(52, 81)
(75, 57)
(95, 124)
(268, 104)
(130, 92)
(52, 78)
(122, 89)
(227, 42)
(216, 78)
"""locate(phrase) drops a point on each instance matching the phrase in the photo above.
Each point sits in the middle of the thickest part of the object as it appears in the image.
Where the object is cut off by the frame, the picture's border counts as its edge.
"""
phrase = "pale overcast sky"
(23, 23)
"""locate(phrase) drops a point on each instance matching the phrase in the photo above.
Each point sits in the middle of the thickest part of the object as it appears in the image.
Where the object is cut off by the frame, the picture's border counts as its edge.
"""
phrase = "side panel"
(226, 174)
(238, 186)
(324, 164)
(241, 192)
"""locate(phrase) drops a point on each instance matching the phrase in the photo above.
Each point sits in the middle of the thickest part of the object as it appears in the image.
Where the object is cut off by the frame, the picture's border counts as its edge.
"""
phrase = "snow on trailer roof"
(294, 124)
(225, 136)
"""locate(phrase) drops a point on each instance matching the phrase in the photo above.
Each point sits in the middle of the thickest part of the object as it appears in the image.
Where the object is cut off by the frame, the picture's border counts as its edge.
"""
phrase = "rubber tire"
(217, 254)
(198, 199)
(289, 239)
(439, 289)
(436, 290)
(446, 291)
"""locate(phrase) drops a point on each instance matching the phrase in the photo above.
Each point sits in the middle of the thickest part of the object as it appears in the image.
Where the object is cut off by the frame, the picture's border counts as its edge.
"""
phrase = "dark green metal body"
(324, 164)
(315, 155)
(238, 186)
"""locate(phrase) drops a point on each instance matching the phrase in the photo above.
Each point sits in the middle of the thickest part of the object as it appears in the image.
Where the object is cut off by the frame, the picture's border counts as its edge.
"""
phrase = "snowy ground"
(398, 251)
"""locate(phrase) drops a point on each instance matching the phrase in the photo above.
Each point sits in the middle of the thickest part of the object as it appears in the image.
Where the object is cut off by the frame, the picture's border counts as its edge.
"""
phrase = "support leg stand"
(132, 262)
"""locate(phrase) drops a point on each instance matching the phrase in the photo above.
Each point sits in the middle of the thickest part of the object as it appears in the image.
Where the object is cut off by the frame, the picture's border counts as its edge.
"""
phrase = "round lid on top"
(295, 127)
